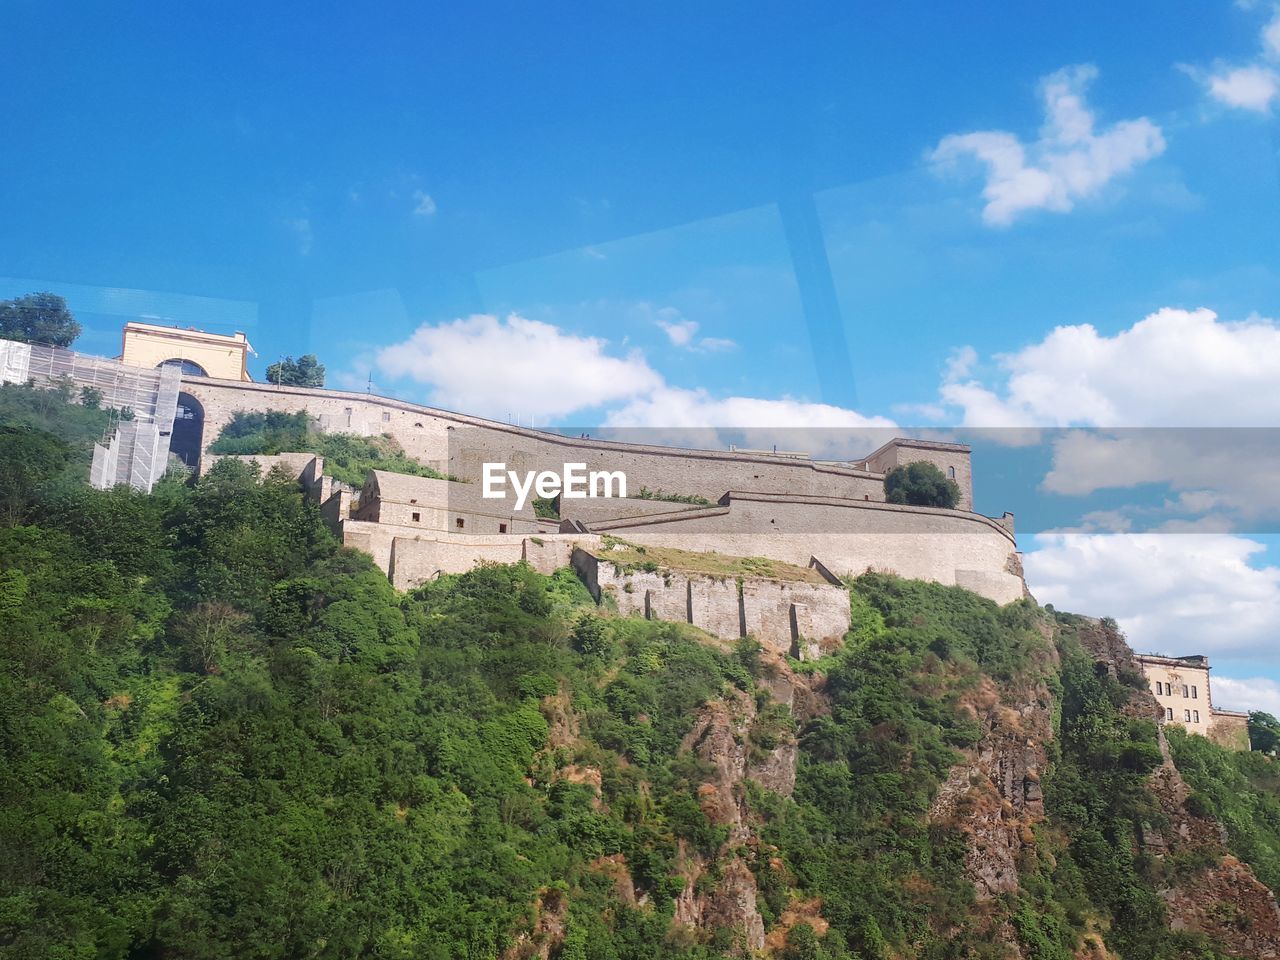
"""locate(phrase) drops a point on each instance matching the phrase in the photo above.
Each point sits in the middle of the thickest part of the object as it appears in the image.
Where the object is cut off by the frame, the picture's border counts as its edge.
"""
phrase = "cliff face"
(1223, 899)
(1003, 808)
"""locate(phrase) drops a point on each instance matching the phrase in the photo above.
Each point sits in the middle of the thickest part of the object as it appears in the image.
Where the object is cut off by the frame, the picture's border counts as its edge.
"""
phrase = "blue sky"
(846, 215)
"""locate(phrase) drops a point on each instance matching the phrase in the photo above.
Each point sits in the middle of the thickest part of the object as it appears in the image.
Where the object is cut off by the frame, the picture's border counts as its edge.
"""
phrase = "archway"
(187, 438)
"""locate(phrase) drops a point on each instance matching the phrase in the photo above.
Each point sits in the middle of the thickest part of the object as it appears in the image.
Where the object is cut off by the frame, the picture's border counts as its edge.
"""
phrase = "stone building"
(195, 352)
(1181, 687)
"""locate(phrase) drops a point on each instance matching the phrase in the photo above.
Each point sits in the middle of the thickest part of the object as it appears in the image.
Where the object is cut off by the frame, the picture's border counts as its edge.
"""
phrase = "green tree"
(28, 459)
(921, 484)
(306, 371)
(38, 318)
(1264, 732)
(90, 397)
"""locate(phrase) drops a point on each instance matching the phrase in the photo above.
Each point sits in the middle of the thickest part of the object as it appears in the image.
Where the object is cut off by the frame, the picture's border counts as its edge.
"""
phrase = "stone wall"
(412, 557)
(1230, 729)
(600, 510)
(434, 436)
(796, 509)
(790, 618)
(849, 538)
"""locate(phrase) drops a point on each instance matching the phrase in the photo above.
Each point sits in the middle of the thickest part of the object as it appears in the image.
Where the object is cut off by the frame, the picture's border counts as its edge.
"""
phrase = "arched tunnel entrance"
(187, 438)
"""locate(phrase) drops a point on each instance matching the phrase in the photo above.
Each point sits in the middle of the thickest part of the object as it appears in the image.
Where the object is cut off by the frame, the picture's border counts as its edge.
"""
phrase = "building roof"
(1194, 660)
(236, 339)
(945, 445)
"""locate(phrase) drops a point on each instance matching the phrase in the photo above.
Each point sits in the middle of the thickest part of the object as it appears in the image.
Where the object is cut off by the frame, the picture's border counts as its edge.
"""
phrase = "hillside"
(224, 735)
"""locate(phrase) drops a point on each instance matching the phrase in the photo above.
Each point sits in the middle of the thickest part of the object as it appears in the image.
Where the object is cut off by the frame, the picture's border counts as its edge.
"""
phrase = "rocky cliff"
(1023, 891)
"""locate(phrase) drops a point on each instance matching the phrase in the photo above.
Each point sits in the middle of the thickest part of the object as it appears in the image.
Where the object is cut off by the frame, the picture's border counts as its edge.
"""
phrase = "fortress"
(799, 513)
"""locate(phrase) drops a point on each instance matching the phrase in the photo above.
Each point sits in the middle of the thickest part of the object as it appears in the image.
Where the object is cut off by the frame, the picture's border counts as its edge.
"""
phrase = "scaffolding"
(137, 450)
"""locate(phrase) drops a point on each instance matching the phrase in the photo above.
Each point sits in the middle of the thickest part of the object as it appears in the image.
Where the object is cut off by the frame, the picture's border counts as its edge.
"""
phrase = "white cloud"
(1254, 693)
(819, 429)
(681, 331)
(1177, 368)
(1070, 161)
(1253, 85)
(1271, 37)
(491, 367)
(424, 205)
(1246, 88)
(1171, 593)
(716, 344)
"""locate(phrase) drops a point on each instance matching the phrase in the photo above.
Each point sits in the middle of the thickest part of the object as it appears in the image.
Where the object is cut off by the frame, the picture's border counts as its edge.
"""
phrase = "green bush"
(921, 484)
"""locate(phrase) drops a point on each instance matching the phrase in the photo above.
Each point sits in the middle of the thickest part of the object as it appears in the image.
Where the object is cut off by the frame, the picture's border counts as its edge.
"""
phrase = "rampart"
(799, 619)
(424, 433)
(782, 507)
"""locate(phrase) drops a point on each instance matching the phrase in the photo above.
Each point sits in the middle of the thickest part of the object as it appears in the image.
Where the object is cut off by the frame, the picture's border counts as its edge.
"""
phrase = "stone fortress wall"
(457, 444)
(804, 620)
(783, 507)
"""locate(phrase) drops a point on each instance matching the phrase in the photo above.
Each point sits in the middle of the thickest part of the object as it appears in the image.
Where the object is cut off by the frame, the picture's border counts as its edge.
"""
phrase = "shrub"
(921, 484)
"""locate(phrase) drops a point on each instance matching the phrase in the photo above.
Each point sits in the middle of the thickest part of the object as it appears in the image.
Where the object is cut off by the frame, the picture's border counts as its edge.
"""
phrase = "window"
(1186, 716)
(1196, 715)
(1195, 695)
(1186, 691)
(459, 523)
(1168, 714)
(417, 517)
(951, 473)
(386, 416)
(502, 528)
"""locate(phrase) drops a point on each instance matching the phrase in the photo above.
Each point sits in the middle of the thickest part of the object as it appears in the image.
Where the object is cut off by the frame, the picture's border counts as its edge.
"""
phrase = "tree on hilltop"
(1264, 732)
(306, 371)
(40, 317)
(921, 484)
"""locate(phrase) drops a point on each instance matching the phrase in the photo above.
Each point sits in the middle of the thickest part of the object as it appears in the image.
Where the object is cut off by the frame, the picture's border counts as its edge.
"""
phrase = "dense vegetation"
(1240, 789)
(347, 458)
(223, 735)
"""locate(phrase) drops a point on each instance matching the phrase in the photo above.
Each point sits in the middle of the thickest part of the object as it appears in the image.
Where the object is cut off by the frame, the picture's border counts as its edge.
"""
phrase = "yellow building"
(1181, 688)
(199, 353)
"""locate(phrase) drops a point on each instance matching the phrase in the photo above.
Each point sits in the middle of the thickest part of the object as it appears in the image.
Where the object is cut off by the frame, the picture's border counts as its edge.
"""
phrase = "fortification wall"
(834, 513)
(599, 510)
(1230, 729)
(849, 538)
(798, 619)
(425, 434)
(412, 558)
(976, 561)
